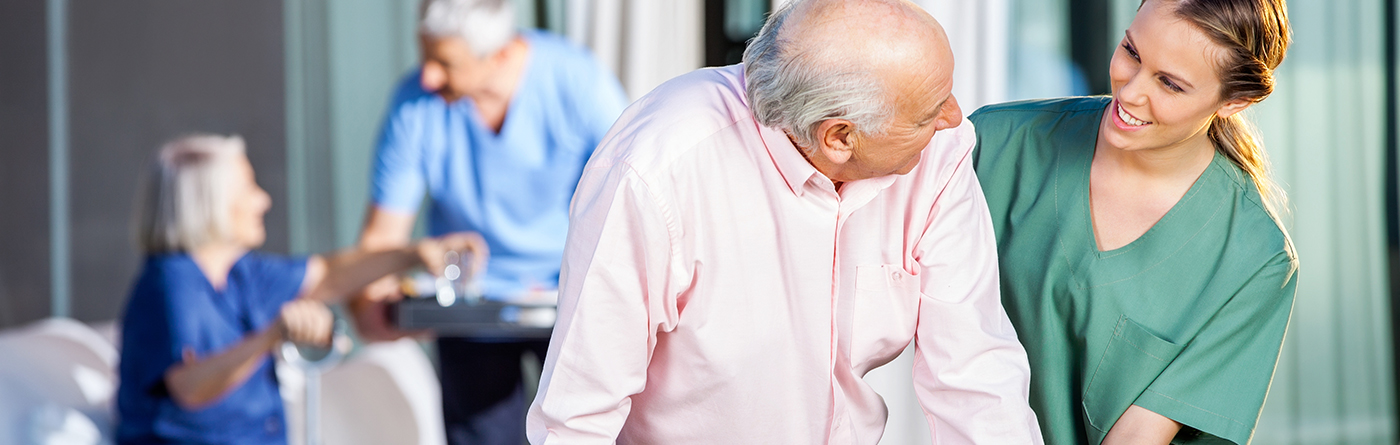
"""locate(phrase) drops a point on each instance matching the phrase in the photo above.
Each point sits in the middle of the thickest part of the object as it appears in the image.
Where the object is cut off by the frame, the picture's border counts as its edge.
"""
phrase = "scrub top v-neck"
(1186, 321)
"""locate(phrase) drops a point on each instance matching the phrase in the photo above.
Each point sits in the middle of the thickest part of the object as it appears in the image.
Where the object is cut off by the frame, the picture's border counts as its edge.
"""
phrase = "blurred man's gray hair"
(486, 25)
(188, 195)
(794, 88)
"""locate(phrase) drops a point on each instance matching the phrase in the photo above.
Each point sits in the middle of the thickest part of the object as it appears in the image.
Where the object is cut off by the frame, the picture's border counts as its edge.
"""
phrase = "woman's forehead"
(1172, 44)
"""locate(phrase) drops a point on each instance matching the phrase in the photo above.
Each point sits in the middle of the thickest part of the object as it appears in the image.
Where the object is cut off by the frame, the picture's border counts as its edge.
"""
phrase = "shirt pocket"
(1132, 360)
(885, 315)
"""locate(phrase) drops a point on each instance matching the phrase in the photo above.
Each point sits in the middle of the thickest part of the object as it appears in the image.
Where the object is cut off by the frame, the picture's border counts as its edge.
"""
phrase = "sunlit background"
(89, 88)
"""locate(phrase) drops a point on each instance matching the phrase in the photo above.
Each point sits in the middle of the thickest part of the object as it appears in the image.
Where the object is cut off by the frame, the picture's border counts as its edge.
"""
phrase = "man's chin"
(907, 169)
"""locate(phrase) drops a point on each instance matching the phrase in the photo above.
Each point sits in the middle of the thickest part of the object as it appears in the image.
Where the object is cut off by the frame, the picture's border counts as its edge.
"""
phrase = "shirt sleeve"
(971, 374)
(1218, 382)
(396, 182)
(616, 292)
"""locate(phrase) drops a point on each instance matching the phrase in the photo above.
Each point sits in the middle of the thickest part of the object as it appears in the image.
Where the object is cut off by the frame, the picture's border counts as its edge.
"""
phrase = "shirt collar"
(791, 164)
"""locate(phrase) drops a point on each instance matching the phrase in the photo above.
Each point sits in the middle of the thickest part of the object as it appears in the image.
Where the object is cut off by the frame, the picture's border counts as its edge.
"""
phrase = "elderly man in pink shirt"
(749, 241)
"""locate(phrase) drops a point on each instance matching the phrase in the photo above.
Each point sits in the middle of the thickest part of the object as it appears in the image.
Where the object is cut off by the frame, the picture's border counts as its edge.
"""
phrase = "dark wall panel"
(142, 72)
(24, 164)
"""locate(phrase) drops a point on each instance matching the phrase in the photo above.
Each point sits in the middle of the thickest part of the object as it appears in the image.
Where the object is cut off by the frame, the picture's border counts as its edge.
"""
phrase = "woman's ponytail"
(1255, 36)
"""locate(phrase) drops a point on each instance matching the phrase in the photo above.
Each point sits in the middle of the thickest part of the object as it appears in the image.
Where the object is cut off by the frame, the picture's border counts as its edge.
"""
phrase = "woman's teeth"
(1123, 114)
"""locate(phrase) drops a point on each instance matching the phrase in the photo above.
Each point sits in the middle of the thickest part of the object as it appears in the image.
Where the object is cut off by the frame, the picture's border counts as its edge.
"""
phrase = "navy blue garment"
(173, 308)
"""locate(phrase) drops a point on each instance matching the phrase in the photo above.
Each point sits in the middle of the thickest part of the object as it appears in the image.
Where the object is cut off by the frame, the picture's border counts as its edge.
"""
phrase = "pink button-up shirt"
(716, 288)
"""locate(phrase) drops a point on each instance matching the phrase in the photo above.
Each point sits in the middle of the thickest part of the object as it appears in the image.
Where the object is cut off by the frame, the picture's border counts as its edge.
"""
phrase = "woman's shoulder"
(1256, 224)
(163, 275)
(168, 267)
(1015, 136)
(1027, 110)
(271, 272)
(1047, 124)
(263, 262)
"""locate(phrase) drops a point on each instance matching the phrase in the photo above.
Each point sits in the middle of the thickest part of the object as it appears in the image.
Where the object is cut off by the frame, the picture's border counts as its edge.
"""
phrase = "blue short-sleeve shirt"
(173, 308)
(514, 186)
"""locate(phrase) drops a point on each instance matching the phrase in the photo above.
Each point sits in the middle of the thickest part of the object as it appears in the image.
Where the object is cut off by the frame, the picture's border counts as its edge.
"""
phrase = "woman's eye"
(1131, 52)
(1171, 85)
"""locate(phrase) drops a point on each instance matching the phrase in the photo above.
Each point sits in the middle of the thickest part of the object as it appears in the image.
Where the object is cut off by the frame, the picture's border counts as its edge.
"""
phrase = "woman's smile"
(1126, 120)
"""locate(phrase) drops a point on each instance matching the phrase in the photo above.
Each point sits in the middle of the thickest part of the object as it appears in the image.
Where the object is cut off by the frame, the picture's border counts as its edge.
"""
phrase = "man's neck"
(493, 102)
(806, 154)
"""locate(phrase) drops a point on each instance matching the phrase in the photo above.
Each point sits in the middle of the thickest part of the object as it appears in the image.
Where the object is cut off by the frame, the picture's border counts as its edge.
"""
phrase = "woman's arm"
(196, 381)
(332, 278)
(1139, 426)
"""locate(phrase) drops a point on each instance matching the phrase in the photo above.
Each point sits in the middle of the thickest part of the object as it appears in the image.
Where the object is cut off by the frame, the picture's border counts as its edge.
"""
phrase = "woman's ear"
(1231, 107)
(837, 139)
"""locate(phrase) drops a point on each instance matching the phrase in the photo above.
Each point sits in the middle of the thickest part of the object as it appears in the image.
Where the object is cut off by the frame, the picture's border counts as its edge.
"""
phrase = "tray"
(484, 320)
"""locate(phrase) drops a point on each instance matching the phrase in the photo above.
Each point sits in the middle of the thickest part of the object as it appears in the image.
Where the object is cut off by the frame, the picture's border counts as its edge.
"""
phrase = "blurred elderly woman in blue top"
(207, 309)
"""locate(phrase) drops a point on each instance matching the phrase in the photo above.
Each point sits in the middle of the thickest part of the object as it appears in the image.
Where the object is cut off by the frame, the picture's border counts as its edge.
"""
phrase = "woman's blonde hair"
(1255, 35)
(187, 198)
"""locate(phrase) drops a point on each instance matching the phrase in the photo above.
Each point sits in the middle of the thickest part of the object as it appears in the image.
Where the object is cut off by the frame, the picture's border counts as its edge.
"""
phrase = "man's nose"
(951, 115)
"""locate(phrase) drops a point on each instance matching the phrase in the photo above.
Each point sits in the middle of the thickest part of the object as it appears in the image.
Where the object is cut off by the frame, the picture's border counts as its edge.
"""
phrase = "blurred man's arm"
(384, 230)
(397, 188)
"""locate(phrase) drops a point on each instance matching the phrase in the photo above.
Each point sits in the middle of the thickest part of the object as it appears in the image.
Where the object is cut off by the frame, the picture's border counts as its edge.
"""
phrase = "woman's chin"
(254, 241)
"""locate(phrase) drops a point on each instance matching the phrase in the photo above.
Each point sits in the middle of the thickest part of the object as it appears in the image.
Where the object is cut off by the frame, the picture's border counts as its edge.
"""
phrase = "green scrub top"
(1185, 321)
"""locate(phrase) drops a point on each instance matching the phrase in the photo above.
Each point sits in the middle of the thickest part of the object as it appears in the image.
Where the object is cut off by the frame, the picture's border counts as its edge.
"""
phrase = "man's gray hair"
(794, 88)
(188, 195)
(486, 25)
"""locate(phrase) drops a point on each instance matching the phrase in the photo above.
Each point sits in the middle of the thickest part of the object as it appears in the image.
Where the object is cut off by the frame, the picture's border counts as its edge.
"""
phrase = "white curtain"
(646, 42)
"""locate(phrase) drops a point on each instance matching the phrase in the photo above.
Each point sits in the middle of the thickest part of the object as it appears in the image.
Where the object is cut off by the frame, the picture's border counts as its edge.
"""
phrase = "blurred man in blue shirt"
(494, 128)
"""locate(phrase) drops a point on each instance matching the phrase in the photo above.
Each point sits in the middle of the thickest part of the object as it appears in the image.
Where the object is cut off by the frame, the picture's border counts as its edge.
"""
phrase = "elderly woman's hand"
(306, 321)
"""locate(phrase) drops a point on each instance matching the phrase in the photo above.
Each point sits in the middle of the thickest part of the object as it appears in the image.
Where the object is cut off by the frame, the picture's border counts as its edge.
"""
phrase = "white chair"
(385, 393)
(57, 384)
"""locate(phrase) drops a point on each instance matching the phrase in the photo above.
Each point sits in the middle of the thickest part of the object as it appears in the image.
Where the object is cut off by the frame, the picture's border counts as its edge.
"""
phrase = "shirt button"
(896, 276)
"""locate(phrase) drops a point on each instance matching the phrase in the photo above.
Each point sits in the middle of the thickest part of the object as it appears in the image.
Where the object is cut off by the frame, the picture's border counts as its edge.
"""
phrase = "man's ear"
(836, 140)
(1232, 107)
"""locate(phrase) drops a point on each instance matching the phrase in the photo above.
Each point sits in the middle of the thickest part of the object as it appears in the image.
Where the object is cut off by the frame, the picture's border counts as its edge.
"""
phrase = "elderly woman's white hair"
(486, 25)
(795, 88)
(187, 195)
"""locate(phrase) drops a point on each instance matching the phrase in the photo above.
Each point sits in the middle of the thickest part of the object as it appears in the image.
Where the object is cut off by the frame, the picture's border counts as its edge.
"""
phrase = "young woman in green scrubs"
(1142, 261)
